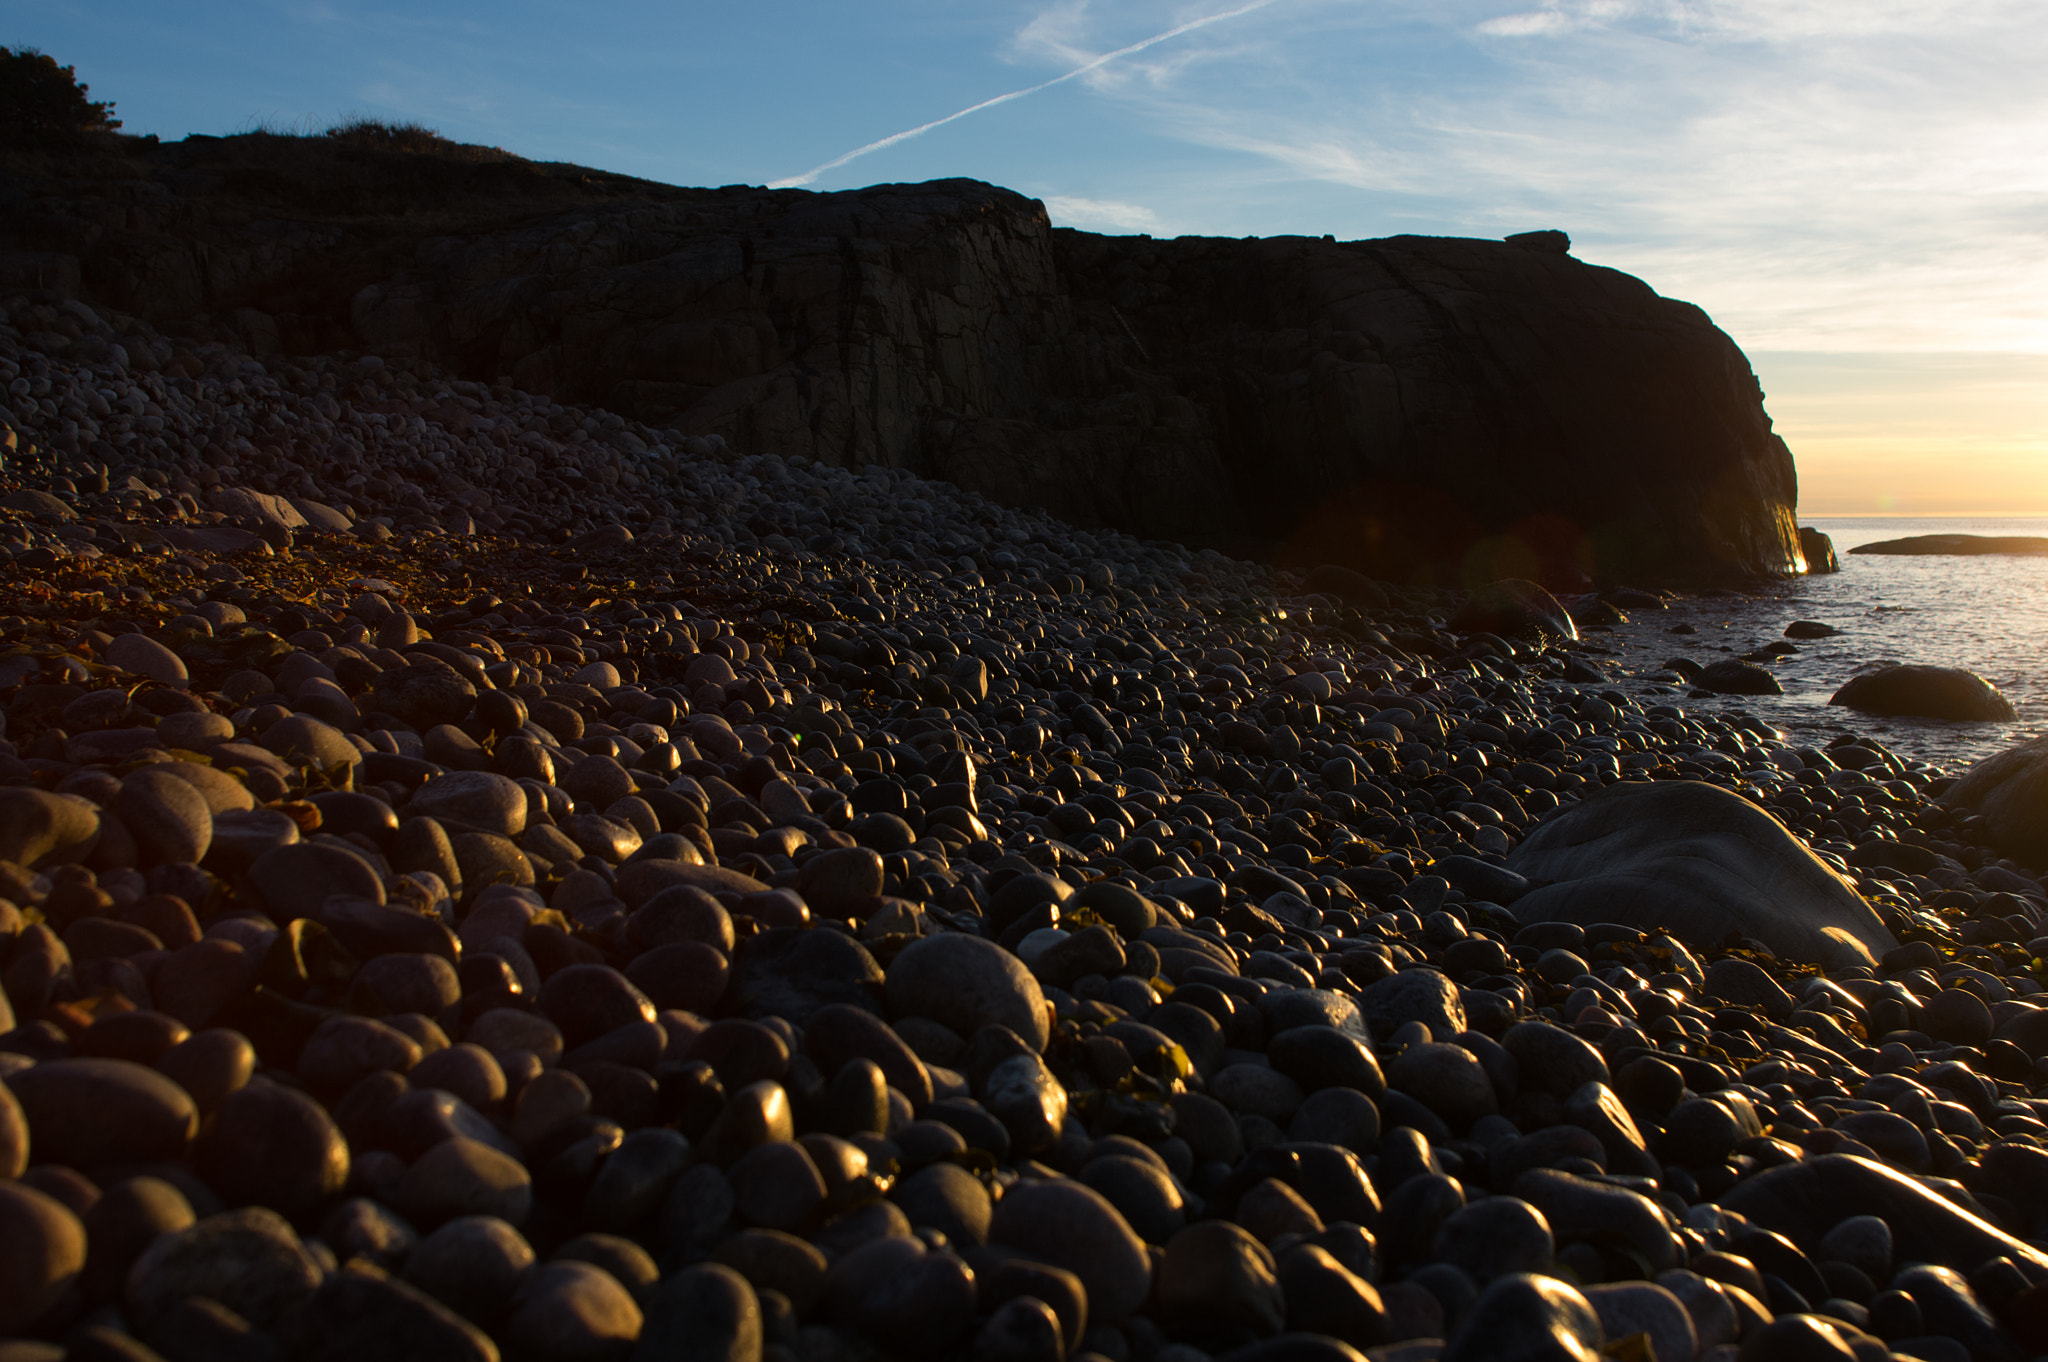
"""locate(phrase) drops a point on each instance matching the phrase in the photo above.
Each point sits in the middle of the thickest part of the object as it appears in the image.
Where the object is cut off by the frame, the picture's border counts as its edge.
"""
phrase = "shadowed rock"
(2010, 789)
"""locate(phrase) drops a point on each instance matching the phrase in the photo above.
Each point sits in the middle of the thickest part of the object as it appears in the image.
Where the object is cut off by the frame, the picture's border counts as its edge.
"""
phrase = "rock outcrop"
(1818, 550)
(1416, 408)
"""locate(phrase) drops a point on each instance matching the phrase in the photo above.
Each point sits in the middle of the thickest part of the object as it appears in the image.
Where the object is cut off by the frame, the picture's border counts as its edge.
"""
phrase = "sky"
(1855, 190)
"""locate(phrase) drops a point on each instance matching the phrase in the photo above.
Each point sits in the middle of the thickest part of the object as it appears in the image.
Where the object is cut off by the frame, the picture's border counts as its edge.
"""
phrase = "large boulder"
(1928, 692)
(1697, 861)
(1516, 608)
(2010, 789)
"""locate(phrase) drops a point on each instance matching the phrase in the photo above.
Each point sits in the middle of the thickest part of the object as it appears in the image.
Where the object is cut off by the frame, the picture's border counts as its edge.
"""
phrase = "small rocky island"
(487, 871)
(1956, 544)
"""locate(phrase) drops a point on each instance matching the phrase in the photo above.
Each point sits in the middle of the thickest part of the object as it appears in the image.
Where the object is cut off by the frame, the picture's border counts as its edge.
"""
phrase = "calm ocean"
(1989, 614)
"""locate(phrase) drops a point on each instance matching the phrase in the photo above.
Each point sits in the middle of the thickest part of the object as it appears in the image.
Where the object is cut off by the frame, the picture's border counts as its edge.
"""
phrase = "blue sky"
(1855, 189)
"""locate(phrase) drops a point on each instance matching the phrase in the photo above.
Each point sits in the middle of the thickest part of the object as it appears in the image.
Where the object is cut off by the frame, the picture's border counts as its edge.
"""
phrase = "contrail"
(1082, 70)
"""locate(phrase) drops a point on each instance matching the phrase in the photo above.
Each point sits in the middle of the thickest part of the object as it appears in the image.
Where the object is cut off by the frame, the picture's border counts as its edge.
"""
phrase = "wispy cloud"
(1069, 210)
(1816, 175)
(1092, 64)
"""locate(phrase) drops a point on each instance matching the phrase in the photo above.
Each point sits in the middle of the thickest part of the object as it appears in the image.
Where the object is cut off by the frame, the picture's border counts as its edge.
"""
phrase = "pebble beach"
(485, 878)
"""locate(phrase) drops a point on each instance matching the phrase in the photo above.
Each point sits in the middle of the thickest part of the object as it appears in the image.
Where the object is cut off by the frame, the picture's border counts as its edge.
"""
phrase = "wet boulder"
(1928, 693)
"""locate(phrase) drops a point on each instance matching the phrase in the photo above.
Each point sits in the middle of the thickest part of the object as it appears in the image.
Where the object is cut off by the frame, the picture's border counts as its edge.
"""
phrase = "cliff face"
(1414, 407)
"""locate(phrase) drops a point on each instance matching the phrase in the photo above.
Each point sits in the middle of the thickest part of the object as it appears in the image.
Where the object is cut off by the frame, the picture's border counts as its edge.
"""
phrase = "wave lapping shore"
(484, 876)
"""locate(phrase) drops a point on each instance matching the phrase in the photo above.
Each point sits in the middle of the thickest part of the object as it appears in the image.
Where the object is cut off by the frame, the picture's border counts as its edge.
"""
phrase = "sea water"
(1987, 613)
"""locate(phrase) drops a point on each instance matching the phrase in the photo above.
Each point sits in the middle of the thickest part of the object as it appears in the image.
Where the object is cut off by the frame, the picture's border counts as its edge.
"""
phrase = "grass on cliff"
(377, 134)
(359, 131)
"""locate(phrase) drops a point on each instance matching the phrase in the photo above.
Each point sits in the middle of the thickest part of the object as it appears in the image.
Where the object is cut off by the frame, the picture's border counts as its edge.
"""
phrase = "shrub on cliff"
(41, 101)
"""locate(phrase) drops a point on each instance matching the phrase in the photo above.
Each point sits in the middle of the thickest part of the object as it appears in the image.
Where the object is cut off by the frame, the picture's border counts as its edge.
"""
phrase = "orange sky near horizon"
(1927, 434)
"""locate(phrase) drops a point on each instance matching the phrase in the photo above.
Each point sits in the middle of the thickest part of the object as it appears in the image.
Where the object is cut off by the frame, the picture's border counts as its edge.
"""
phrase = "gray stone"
(902, 1296)
(569, 1311)
(125, 1220)
(1320, 1057)
(472, 1264)
(14, 1132)
(1627, 1308)
(1864, 1242)
(1526, 1318)
(948, 1198)
(423, 694)
(1256, 1090)
(1743, 983)
(1143, 1193)
(482, 799)
(42, 1253)
(636, 1179)
(1596, 1108)
(1075, 1227)
(273, 1146)
(1698, 861)
(464, 1177)
(249, 1260)
(342, 1051)
(1326, 1298)
(1215, 1278)
(1022, 1329)
(834, 882)
(144, 656)
(361, 1312)
(1581, 1208)
(706, 1313)
(1496, 1236)
(1338, 1116)
(302, 740)
(91, 1113)
(360, 1227)
(1447, 1079)
(168, 817)
(293, 881)
(1551, 1059)
(1423, 995)
(965, 983)
(41, 828)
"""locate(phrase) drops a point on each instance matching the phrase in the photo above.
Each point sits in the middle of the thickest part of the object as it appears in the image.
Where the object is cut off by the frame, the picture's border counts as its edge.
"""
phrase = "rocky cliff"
(1419, 408)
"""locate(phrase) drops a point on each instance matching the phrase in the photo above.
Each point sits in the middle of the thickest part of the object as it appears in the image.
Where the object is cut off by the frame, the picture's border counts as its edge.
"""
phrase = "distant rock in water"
(1924, 545)
(1927, 692)
(1415, 408)
(1818, 550)
(1810, 629)
(2010, 789)
(1700, 862)
(1734, 677)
